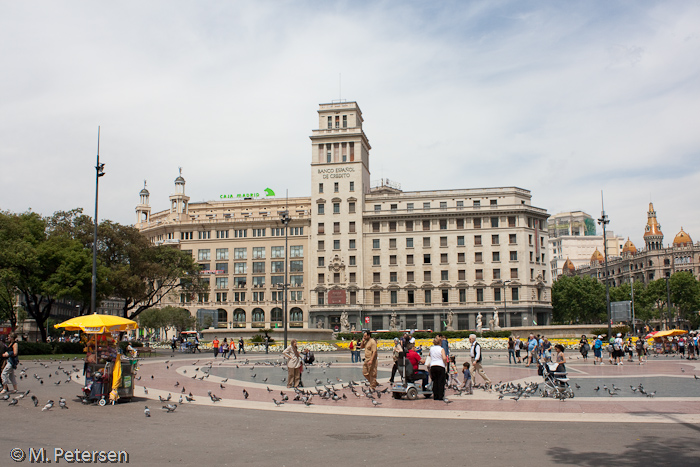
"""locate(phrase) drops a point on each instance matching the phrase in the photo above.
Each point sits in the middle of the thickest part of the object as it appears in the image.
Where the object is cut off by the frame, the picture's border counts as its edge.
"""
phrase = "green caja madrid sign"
(267, 192)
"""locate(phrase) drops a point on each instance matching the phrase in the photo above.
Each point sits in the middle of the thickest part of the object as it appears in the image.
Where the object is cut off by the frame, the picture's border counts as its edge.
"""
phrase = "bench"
(146, 350)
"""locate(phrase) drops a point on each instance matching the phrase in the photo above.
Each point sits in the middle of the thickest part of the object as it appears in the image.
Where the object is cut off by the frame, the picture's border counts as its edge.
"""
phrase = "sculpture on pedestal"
(449, 321)
(393, 326)
(344, 323)
(496, 324)
(479, 324)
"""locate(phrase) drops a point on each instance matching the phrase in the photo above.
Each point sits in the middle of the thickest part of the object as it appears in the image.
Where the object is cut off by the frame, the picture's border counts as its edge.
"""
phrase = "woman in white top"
(438, 365)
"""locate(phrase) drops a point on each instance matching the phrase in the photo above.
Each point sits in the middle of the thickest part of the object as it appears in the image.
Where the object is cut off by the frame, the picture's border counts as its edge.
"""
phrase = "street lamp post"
(604, 221)
(99, 172)
(284, 218)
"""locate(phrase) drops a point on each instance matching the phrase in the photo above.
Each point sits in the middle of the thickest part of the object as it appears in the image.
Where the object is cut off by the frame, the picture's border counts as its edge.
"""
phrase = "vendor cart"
(108, 374)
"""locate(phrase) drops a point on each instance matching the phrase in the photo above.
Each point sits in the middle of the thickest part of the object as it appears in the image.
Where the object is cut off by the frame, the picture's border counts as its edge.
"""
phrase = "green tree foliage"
(578, 300)
(168, 317)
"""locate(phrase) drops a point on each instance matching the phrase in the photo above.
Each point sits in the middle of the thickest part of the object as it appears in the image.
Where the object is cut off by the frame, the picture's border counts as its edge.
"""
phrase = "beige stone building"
(361, 248)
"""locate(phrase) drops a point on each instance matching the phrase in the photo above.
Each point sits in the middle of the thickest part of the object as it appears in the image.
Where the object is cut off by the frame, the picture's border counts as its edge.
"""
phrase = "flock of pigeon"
(14, 399)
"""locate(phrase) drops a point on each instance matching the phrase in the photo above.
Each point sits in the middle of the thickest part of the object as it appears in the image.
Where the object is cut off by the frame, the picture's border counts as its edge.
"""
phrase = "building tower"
(179, 201)
(339, 182)
(143, 209)
(653, 237)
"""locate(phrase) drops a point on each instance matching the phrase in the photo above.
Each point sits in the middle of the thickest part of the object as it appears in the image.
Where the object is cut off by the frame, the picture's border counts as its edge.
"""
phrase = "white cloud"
(559, 98)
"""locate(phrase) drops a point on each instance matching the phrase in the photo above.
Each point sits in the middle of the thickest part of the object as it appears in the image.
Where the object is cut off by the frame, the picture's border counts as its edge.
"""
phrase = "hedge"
(53, 348)
(388, 335)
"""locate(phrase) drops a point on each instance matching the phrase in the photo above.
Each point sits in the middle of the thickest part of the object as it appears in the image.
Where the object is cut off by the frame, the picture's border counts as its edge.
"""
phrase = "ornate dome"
(597, 256)
(682, 239)
(653, 228)
(629, 247)
(568, 267)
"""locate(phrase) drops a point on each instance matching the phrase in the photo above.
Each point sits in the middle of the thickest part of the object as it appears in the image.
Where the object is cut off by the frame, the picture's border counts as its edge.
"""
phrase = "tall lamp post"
(284, 218)
(604, 221)
(99, 172)
(505, 300)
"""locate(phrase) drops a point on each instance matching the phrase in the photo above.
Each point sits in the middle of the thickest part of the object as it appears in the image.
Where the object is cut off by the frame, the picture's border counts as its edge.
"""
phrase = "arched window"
(258, 315)
(238, 318)
(276, 315)
(221, 318)
(296, 318)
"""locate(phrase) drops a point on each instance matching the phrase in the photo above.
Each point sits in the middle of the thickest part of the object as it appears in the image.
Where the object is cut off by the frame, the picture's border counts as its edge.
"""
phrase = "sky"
(565, 99)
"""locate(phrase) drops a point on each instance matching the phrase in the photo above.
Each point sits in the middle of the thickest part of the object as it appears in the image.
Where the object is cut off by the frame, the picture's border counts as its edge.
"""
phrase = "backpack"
(352, 345)
(598, 344)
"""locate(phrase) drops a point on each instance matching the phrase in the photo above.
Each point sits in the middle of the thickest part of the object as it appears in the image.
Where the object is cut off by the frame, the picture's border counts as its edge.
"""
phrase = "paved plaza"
(591, 429)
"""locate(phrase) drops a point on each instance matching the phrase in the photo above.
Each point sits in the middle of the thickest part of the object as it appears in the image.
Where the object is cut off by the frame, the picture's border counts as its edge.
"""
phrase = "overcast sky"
(562, 98)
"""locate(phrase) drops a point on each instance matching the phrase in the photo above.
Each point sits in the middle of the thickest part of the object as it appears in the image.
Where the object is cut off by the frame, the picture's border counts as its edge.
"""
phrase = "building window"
(277, 266)
(186, 235)
(460, 240)
(258, 281)
(409, 259)
(410, 297)
(240, 233)
(513, 273)
(321, 208)
(478, 257)
(296, 251)
(479, 274)
(222, 253)
(321, 245)
(221, 283)
(320, 187)
(427, 277)
(258, 297)
(377, 297)
(496, 256)
(479, 295)
(392, 226)
(494, 239)
(462, 295)
(477, 240)
(496, 274)
(511, 221)
(330, 122)
(512, 239)
(336, 244)
(409, 242)
(514, 294)
(494, 222)
(496, 295)
(321, 229)
(460, 204)
(240, 268)
(494, 202)
(258, 267)
(460, 223)
(336, 208)
(221, 297)
(445, 296)
(296, 281)
(375, 260)
(376, 277)
(352, 277)
(204, 255)
(321, 278)
(513, 255)
(351, 244)
(461, 275)
(443, 224)
(336, 278)
(222, 268)
(443, 241)
(321, 262)
(426, 242)
(426, 258)
(426, 225)
(335, 187)
(410, 276)
(351, 227)
(375, 226)
(259, 232)
(443, 205)
(205, 235)
(222, 234)
(351, 208)
(477, 222)
(461, 257)
(443, 258)
(394, 297)
(375, 243)
(377, 207)
(259, 252)
(409, 207)
(336, 227)
(477, 203)
(393, 276)
(392, 243)
(352, 186)
(444, 275)
(409, 226)
(426, 206)
(320, 298)
(428, 296)
(278, 252)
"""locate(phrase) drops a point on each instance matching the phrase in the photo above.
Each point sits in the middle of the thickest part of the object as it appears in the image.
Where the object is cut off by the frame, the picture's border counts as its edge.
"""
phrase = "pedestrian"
(467, 385)
(453, 380)
(560, 359)
(584, 347)
(531, 349)
(618, 349)
(369, 367)
(358, 345)
(438, 368)
(196, 345)
(629, 348)
(476, 356)
(691, 347)
(639, 347)
(215, 346)
(267, 343)
(511, 349)
(241, 346)
(546, 349)
(598, 350)
(446, 346)
(232, 350)
(395, 355)
(223, 347)
(351, 346)
(8, 372)
(294, 364)
(681, 347)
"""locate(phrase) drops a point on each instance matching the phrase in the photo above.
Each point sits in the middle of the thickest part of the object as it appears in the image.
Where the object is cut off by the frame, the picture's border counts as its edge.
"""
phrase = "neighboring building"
(572, 238)
(653, 262)
(362, 248)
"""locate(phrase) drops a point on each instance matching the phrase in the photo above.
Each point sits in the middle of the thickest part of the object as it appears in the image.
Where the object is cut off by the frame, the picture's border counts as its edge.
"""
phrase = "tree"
(578, 300)
(40, 266)
(179, 318)
(8, 294)
(685, 293)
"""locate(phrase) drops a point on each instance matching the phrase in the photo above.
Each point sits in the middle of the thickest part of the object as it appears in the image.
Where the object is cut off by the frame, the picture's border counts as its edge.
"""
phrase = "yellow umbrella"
(98, 324)
(670, 333)
(116, 379)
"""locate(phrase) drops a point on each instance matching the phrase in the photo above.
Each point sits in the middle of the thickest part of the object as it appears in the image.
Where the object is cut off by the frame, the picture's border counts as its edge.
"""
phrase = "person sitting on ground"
(416, 361)
(308, 356)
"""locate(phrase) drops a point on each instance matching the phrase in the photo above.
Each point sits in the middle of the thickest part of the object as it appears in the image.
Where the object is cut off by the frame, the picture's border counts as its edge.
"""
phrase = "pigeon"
(48, 406)
(447, 401)
(170, 407)
(189, 398)
(147, 412)
(277, 403)
(35, 400)
(222, 386)
(62, 403)
(161, 399)
(268, 389)
(145, 390)
(375, 403)
(245, 394)
(180, 401)
(13, 402)
(170, 396)
(213, 397)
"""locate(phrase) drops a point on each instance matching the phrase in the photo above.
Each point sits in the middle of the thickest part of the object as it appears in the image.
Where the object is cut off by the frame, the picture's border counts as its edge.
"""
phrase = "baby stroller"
(556, 384)
(96, 388)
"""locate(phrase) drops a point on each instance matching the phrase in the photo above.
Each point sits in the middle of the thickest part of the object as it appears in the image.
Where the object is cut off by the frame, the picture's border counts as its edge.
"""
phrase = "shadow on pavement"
(647, 450)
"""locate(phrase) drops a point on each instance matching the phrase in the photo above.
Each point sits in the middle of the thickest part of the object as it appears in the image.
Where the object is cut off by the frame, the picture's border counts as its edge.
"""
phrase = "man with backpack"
(598, 350)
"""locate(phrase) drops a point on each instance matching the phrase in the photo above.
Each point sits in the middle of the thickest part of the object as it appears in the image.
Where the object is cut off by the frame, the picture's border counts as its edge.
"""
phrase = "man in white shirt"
(618, 352)
(475, 353)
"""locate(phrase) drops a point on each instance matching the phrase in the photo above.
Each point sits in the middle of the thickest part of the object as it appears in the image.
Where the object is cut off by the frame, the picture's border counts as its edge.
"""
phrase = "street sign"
(366, 319)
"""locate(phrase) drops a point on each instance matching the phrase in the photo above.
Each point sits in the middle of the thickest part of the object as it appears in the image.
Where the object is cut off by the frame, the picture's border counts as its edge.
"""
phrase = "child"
(453, 380)
(467, 385)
